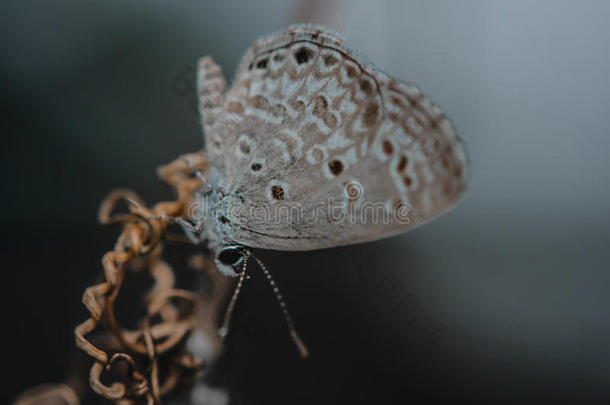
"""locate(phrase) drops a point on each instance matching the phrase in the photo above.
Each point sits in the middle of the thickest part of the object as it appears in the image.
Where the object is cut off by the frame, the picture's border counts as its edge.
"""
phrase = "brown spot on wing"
(259, 102)
(320, 106)
(277, 192)
(387, 147)
(330, 120)
(244, 147)
(335, 167)
(299, 106)
(402, 163)
(370, 114)
(262, 64)
(235, 107)
(303, 55)
(329, 60)
(366, 87)
(350, 71)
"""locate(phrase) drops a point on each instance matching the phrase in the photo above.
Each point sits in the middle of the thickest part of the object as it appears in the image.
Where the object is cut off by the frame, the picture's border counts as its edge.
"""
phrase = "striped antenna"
(224, 329)
(278, 295)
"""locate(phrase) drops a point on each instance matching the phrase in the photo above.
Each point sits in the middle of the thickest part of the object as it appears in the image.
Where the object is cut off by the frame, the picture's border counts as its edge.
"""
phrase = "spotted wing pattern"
(319, 148)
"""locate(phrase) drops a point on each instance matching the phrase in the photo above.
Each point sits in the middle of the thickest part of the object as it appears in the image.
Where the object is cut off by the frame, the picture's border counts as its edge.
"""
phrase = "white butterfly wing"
(317, 148)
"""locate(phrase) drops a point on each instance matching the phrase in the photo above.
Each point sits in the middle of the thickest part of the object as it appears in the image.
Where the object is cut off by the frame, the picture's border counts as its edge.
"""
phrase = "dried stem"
(162, 333)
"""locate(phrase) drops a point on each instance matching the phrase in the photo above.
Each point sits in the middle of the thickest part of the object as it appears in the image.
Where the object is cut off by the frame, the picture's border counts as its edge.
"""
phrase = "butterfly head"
(229, 259)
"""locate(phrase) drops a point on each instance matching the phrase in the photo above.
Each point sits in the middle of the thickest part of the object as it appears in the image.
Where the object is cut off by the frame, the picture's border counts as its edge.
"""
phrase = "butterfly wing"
(319, 148)
(211, 86)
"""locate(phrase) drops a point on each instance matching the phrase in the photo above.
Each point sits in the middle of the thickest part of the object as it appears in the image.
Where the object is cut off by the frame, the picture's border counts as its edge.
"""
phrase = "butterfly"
(309, 125)
(313, 147)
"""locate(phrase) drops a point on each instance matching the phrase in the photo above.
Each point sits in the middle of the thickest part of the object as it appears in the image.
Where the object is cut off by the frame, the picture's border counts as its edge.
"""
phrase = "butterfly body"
(313, 147)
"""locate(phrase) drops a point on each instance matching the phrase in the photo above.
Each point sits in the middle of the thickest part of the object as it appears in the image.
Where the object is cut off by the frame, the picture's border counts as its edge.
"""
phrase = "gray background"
(516, 277)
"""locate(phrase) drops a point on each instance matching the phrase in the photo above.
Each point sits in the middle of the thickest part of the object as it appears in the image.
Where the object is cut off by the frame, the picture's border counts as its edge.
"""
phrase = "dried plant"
(152, 360)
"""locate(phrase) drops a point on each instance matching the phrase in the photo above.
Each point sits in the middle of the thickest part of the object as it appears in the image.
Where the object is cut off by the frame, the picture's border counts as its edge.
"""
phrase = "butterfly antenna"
(224, 329)
(293, 333)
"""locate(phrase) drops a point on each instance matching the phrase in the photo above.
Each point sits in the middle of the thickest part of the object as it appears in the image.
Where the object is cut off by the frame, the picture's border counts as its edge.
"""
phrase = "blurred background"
(506, 297)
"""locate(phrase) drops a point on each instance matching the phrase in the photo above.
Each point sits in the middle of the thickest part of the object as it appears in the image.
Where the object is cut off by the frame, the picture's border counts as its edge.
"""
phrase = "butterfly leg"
(211, 85)
(199, 174)
(193, 232)
(190, 230)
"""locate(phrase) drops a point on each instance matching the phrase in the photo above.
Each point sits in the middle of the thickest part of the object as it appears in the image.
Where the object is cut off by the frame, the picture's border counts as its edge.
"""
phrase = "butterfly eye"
(232, 255)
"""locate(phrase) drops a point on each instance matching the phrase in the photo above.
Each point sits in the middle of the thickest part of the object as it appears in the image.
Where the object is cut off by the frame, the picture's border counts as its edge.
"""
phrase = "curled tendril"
(141, 237)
